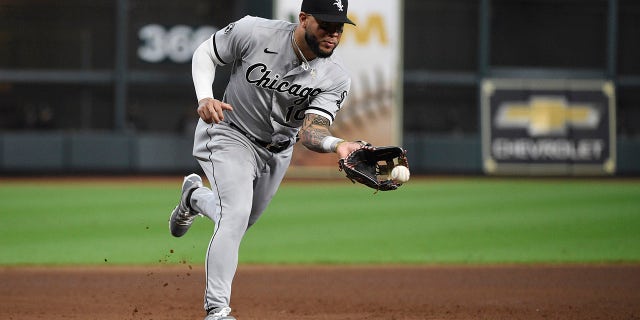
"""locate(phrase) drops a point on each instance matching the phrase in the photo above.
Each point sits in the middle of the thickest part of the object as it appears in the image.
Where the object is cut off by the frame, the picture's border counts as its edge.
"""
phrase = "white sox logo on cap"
(338, 4)
(327, 10)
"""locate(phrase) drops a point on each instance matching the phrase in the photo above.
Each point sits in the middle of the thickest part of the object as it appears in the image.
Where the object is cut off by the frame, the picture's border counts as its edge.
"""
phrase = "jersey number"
(297, 115)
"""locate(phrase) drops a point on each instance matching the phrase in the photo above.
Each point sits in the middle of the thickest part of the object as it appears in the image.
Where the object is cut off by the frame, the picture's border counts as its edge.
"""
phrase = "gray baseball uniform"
(246, 156)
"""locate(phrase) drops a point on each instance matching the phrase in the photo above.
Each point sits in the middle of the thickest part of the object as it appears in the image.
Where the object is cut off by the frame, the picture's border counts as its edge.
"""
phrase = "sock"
(189, 199)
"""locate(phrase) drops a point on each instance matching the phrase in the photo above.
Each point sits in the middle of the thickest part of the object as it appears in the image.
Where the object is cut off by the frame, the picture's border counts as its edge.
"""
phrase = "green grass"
(475, 220)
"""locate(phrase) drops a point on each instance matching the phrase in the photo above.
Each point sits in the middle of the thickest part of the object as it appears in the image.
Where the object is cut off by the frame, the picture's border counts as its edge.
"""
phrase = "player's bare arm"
(315, 135)
(314, 129)
(212, 110)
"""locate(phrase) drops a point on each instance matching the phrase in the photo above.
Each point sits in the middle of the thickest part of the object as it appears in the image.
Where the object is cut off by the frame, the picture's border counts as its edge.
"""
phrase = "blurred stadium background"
(85, 89)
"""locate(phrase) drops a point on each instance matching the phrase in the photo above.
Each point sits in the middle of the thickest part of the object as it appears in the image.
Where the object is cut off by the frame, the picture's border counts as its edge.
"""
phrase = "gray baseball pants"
(244, 178)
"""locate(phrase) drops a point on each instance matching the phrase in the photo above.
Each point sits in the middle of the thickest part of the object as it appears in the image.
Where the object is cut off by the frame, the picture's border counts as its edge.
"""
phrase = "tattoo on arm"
(313, 130)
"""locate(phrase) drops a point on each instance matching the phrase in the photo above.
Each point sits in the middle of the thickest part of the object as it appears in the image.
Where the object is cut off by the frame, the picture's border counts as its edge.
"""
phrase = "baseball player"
(285, 86)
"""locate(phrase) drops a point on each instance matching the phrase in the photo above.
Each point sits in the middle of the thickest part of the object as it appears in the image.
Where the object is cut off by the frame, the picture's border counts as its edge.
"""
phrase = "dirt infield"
(327, 293)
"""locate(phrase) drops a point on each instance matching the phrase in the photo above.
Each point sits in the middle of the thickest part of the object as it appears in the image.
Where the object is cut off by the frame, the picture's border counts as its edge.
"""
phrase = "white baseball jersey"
(269, 90)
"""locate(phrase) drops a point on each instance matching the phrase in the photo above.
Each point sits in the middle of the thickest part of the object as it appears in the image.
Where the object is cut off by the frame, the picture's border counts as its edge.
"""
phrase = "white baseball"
(400, 174)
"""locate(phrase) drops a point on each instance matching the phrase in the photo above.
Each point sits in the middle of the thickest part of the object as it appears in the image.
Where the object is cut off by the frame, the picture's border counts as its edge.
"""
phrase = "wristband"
(329, 143)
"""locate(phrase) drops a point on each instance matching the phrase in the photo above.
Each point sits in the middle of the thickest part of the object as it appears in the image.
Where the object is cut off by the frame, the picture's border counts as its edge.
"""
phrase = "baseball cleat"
(183, 215)
(221, 313)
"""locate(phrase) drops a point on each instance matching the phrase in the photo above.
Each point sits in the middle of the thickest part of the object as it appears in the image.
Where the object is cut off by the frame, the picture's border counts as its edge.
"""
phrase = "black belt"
(273, 147)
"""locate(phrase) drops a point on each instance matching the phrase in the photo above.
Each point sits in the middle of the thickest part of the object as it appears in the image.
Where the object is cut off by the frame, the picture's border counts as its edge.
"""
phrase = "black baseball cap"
(327, 10)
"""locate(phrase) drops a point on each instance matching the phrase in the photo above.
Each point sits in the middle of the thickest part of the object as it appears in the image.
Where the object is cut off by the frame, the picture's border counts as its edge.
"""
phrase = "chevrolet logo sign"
(546, 115)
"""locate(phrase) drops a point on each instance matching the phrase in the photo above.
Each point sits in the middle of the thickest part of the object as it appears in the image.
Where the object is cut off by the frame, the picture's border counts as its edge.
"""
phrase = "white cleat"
(221, 313)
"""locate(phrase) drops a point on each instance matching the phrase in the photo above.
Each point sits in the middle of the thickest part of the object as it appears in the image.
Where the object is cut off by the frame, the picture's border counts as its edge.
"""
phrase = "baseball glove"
(372, 166)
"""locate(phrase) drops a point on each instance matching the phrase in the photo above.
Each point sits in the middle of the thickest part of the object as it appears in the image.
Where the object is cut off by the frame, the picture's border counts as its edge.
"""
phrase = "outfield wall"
(103, 153)
(128, 153)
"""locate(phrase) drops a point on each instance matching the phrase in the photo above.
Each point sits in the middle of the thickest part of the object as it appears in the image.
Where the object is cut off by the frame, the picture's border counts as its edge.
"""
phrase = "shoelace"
(185, 218)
